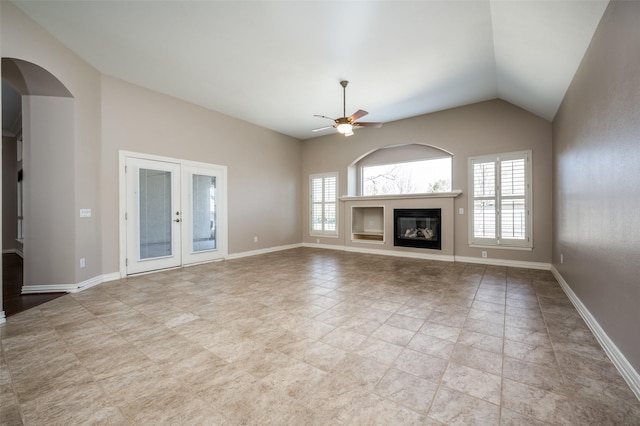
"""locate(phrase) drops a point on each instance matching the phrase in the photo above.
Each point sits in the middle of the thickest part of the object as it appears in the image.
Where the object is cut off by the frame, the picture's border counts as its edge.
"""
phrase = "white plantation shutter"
(501, 203)
(513, 203)
(324, 204)
(484, 203)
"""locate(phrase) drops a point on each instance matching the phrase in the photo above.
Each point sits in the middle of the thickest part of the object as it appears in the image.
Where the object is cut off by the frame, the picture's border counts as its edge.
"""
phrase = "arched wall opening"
(47, 129)
(390, 154)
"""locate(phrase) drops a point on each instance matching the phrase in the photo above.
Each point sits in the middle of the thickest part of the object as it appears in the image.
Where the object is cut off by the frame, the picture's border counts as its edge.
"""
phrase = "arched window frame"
(396, 155)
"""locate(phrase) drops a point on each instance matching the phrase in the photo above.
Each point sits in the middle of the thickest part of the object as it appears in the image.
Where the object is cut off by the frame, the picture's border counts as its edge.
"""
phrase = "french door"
(174, 213)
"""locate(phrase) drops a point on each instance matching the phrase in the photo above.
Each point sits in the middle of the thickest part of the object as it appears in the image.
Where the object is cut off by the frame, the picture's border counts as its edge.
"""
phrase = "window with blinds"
(324, 204)
(500, 208)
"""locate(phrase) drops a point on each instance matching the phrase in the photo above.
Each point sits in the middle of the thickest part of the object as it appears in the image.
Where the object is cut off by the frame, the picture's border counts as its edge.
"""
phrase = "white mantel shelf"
(452, 194)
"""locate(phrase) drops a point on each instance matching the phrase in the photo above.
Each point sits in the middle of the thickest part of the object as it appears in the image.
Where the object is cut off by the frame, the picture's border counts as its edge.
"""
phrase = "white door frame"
(186, 165)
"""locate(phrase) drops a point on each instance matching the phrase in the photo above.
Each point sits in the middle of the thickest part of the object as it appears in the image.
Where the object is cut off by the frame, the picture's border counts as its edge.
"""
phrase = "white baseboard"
(324, 246)
(70, 288)
(504, 262)
(618, 359)
(442, 257)
(262, 251)
(408, 254)
(366, 250)
(13, 251)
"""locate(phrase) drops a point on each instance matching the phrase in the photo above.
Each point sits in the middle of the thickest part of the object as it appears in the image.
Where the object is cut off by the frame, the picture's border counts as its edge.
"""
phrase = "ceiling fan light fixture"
(345, 128)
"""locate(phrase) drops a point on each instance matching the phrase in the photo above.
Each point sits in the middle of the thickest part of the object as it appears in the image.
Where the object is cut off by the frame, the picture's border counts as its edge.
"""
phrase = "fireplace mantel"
(452, 194)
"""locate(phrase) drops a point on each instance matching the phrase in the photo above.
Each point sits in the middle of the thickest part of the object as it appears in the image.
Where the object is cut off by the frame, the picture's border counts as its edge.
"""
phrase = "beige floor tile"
(407, 390)
(537, 403)
(481, 341)
(473, 382)
(455, 408)
(431, 345)
(376, 410)
(420, 364)
(477, 358)
(314, 337)
(540, 376)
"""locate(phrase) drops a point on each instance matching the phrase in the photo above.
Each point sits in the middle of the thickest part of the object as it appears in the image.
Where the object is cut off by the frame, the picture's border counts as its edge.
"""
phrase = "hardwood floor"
(13, 301)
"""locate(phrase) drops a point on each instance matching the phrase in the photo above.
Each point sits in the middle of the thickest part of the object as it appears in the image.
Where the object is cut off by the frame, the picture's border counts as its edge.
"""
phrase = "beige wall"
(597, 179)
(484, 128)
(263, 167)
(49, 200)
(22, 38)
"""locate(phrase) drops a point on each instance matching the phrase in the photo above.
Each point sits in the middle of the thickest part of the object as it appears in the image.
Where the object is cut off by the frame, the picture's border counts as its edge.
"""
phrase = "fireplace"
(417, 228)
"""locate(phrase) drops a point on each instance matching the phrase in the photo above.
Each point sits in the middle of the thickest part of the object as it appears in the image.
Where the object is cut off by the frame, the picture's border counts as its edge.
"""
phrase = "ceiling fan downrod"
(344, 83)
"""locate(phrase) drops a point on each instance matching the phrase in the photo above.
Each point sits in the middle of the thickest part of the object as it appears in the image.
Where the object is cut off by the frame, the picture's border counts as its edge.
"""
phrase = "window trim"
(323, 232)
(498, 242)
(361, 180)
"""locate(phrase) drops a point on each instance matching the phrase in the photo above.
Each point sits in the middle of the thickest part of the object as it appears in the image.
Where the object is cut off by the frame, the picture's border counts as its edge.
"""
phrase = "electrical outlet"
(82, 263)
(461, 210)
(255, 239)
(561, 258)
(484, 253)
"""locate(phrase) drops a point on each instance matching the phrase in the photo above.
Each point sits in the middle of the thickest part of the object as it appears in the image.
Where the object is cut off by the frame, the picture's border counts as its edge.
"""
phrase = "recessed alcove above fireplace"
(419, 228)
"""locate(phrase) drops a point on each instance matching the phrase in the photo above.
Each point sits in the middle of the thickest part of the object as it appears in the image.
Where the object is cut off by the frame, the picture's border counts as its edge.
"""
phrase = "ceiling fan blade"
(367, 124)
(322, 128)
(324, 116)
(359, 113)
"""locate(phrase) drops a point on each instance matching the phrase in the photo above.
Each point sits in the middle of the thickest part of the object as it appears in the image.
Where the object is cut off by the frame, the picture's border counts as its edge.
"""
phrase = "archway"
(41, 208)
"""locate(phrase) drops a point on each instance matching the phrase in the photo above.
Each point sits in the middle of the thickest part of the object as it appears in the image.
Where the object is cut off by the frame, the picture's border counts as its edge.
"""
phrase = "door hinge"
(126, 262)
(125, 216)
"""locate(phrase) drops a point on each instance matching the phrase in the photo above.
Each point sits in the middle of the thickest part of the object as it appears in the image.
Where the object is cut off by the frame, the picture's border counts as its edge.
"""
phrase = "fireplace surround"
(421, 228)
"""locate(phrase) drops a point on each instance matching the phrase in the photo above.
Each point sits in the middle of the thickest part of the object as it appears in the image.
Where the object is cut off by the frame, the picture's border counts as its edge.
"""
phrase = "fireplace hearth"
(419, 228)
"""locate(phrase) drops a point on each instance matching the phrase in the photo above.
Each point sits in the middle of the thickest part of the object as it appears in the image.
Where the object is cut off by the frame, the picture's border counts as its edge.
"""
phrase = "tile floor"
(312, 337)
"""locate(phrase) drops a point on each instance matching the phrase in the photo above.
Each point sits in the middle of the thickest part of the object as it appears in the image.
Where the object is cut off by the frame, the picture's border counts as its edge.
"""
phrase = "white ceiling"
(277, 63)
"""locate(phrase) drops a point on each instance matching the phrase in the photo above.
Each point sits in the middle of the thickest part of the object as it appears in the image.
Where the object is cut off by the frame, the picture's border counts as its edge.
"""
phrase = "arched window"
(403, 169)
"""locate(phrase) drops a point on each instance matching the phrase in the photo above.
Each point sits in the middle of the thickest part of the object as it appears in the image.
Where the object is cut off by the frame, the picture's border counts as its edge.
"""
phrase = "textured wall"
(596, 136)
(484, 128)
(263, 167)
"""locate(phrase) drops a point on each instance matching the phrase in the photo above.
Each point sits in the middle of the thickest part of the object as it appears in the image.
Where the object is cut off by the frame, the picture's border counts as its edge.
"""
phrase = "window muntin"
(410, 177)
(324, 204)
(501, 203)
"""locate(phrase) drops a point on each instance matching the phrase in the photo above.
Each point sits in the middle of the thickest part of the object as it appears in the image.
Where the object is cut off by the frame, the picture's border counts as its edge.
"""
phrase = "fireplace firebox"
(417, 228)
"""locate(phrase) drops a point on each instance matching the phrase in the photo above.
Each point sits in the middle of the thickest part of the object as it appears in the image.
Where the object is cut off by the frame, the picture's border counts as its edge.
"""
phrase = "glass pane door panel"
(155, 213)
(204, 213)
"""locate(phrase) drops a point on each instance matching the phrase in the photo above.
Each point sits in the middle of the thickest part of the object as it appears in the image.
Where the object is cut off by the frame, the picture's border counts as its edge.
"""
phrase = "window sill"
(501, 247)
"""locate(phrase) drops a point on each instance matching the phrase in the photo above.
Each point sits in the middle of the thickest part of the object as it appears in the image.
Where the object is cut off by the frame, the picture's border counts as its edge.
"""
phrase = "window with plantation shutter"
(500, 207)
(324, 204)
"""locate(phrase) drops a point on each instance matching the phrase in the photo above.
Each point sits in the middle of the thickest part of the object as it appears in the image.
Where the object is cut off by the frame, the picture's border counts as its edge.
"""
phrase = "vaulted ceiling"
(277, 63)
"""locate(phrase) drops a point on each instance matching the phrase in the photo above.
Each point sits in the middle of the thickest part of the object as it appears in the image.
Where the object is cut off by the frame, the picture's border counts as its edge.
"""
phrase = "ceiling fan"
(346, 125)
